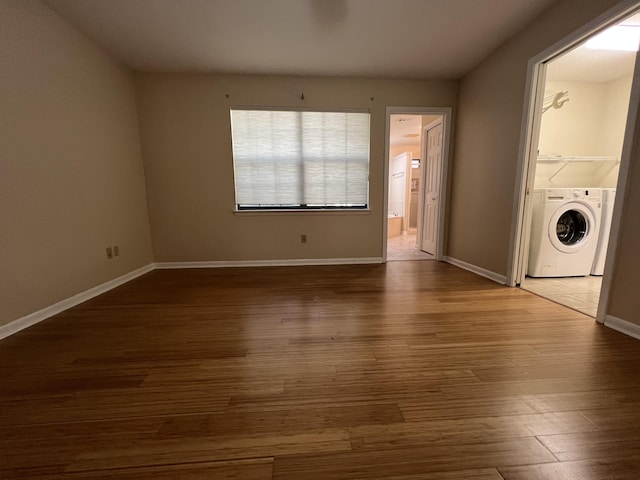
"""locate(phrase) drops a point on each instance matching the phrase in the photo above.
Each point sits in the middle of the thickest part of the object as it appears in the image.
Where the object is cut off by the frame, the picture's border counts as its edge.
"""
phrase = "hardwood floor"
(403, 371)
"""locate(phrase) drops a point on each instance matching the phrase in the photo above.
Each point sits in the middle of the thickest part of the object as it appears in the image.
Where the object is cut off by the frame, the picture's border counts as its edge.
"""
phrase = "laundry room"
(582, 127)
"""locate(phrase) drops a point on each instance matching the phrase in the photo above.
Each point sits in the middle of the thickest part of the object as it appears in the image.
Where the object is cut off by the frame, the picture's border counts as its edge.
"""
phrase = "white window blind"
(300, 159)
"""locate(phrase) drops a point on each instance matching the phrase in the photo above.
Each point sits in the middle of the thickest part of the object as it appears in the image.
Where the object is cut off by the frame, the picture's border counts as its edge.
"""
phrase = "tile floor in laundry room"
(579, 293)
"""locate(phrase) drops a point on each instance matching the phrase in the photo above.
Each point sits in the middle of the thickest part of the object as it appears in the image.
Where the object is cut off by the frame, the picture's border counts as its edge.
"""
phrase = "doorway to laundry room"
(581, 120)
(416, 166)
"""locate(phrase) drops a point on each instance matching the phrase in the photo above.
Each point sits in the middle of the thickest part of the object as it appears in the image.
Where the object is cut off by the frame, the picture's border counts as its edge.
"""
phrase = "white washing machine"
(608, 199)
(564, 231)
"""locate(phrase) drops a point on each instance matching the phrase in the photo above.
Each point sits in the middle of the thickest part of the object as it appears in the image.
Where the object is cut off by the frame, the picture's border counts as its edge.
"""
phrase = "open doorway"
(577, 137)
(416, 168)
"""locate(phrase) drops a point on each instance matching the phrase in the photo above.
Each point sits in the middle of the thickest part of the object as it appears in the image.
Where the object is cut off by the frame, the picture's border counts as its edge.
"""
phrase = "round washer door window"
(571, 227)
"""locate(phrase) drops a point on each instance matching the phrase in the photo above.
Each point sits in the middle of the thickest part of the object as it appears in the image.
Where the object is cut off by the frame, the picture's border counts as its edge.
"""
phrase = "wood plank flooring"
(404, 371)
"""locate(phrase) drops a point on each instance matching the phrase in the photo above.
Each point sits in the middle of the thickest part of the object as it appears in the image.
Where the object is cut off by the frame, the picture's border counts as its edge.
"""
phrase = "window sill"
(257, 213)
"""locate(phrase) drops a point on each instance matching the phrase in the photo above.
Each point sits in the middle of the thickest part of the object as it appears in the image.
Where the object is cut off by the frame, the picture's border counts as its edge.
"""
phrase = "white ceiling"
(406, 129)
(376, 38)
(585, 65)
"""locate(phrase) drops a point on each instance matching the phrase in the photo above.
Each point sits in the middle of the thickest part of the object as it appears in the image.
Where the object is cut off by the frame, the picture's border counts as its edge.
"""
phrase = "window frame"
(247, 209)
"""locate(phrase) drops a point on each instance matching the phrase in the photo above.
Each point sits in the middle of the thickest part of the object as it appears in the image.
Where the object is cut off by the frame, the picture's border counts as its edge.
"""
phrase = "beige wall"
(491, 100)
(592, 123)
(71, 177)
(617, 94)
(577, 128)
(186, 146)
(616, 108)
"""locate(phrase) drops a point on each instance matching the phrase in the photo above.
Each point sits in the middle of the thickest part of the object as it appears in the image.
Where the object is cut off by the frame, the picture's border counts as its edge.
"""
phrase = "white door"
(399, 170)
(432, 152)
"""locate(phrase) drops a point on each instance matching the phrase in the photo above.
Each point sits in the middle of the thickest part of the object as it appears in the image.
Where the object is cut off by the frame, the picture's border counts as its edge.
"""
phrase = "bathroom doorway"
(417, 150)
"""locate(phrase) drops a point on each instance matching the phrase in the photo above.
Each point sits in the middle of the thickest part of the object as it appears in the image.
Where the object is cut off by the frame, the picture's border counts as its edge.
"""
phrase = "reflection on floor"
(579, 293)
(403, 247)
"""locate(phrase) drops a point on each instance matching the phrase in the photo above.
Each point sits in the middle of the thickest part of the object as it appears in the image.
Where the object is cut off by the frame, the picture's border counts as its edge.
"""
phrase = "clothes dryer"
(608, 199)
(564, 231)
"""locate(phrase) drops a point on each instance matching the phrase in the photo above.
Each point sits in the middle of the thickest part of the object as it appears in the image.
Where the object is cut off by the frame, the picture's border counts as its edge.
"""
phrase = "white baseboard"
(35, 317)
(622, 326)
(270, 263)
(496, 277)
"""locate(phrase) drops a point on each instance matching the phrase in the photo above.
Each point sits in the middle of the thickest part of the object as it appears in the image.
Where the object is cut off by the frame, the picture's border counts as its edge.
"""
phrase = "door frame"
(423, 181)
(527, 151)
(446, 113)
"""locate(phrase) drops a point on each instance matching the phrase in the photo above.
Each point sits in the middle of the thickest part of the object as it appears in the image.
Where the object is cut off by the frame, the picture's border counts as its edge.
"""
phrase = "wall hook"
(555, 100)
(302, 97)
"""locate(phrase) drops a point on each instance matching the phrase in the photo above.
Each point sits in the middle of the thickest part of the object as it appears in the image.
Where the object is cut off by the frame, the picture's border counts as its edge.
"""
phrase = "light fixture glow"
(620, 37)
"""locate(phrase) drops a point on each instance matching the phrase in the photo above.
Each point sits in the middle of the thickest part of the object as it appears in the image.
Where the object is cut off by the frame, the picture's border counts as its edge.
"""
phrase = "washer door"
(570, 227)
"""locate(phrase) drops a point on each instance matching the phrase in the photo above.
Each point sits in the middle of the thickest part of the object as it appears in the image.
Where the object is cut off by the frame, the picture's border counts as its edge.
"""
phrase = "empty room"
(286, 239)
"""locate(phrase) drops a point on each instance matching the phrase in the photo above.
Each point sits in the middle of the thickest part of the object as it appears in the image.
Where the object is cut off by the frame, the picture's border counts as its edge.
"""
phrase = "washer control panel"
(563, 194)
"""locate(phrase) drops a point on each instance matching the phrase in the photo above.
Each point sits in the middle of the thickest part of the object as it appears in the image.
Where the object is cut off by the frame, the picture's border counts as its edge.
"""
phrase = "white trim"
(496, 277)
(598, 24)
(433, 124)
(385, 183)
(525, 179)
(270, 263)
(622, 326)
(36, 317)
(298, 109)
(312, 212)
(447, 120)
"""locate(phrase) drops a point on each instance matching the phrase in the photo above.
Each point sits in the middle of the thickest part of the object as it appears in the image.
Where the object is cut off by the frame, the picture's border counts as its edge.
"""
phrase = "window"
(300, 159)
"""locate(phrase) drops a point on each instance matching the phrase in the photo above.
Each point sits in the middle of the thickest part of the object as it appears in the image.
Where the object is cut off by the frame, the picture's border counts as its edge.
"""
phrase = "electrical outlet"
(303, 238)
(109, 253)
(116, 251)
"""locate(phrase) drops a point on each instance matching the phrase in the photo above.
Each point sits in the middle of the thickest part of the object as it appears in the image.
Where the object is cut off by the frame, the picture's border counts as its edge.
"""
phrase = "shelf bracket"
(562, 167)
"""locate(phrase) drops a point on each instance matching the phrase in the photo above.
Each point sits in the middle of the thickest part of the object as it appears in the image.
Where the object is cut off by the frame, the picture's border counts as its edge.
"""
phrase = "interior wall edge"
(73, 181)
(271, 263)
(147, 204)
(34, 318)
(496, 277)
(27, 321)
(623, 326)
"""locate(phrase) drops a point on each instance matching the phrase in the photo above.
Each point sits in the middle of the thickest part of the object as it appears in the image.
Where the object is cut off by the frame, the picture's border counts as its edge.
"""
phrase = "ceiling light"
(621, 37)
